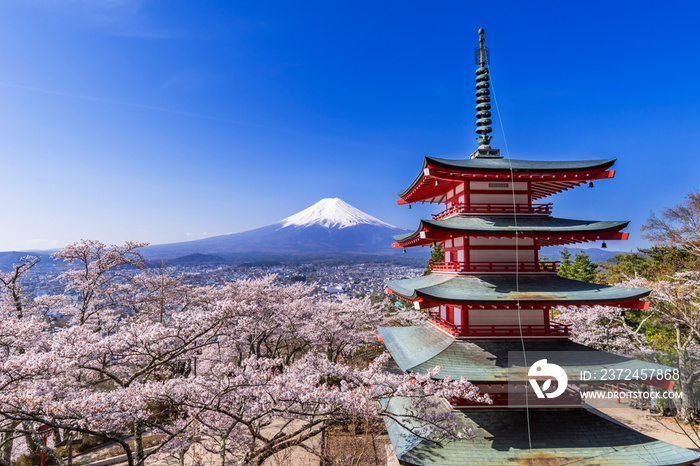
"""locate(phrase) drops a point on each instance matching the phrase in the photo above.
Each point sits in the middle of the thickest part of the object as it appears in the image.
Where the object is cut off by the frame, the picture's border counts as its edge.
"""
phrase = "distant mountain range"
(596, 254)
(329, 228)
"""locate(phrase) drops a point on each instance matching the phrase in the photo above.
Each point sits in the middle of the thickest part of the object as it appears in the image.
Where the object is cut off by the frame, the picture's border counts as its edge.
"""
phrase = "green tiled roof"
(507, 225)
(487, 360)
(495, 289)
(495, 164)
(518, 166)
(558, 437)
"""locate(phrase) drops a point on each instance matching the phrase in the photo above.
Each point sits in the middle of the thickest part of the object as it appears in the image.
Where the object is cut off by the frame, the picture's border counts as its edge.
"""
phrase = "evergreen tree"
(436, 255)
(581, 268)
(565, 265)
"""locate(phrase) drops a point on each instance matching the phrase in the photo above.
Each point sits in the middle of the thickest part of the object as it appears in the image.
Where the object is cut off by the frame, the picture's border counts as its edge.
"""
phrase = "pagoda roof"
(500, 290)
(551, 177)
(549, 230)
(557, 437)
(520, 166)
(423, 347)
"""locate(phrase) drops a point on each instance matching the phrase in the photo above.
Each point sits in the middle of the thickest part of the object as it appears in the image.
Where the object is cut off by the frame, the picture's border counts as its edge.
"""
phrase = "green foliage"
(653, 263)
(565, 265)
(436, 255)
(81, 445)
(584, 269)
(627, 266)
(581, 268)
(32, 459)
(396, 303)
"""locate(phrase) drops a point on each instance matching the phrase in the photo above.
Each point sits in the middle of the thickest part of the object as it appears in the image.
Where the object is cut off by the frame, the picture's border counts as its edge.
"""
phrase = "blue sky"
(165, 121)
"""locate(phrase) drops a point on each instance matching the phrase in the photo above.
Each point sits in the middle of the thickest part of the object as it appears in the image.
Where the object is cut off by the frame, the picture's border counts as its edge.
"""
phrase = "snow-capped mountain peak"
(331, 213)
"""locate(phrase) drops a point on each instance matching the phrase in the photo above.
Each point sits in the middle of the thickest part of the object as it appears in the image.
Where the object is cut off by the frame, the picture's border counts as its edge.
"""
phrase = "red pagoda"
(489, 306)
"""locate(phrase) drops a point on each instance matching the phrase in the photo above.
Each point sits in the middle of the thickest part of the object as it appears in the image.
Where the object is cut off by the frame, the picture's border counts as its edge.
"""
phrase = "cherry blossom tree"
(20, 332)
(13, 294)
(98, 266)
(274, 379)
(677, 226)
(62, 382)
(605, 328)
(269, 410)
(341, 327)
(251, 368)
(676, 301)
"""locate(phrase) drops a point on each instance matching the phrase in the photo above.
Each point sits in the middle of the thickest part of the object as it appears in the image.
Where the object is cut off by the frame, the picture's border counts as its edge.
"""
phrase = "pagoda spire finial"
(483, 99)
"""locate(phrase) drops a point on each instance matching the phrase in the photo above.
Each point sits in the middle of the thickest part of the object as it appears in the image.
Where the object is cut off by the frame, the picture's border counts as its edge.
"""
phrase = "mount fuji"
(329, 228)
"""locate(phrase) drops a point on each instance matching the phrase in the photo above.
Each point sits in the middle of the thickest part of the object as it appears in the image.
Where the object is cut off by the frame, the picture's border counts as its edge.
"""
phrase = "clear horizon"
(171, 121)
(300, 218)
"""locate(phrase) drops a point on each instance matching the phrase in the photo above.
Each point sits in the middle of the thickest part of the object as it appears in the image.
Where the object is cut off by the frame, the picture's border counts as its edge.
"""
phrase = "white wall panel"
(500, 242)
(505, 317)
(501, 255)
(497, 198)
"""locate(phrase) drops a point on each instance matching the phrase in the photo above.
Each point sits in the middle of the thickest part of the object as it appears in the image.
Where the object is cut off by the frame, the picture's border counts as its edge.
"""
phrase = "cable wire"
(517, 259)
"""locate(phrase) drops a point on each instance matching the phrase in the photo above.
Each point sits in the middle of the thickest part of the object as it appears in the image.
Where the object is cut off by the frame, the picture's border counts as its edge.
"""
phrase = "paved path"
(663, 429)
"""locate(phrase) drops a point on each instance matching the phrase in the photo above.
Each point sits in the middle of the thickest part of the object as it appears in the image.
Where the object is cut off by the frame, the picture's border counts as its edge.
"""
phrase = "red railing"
(554, 329)
(461, 208)
(569, 397)
(475, 267)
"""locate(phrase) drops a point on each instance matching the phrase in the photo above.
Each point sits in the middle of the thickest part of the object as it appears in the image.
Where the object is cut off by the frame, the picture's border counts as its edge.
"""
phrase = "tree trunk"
(324, 449)
(32, 446)
(222, 451)
(8, 433)
(52, 453)
(138, 443)
(70, 449)
(43, 448)
(684, 405)
(56, 434)
(127, 451)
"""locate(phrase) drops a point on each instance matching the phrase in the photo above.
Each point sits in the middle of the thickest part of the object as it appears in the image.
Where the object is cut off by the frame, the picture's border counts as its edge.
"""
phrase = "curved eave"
(478, 291)
(548, 231)
(548, 177)
(420, 348)
(552, 437)
(519, 166)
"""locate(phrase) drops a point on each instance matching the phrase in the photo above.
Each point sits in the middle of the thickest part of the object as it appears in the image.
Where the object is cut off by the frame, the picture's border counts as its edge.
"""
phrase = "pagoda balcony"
(516, 400)
(473, 332)
(495, 209)
(494, 267)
